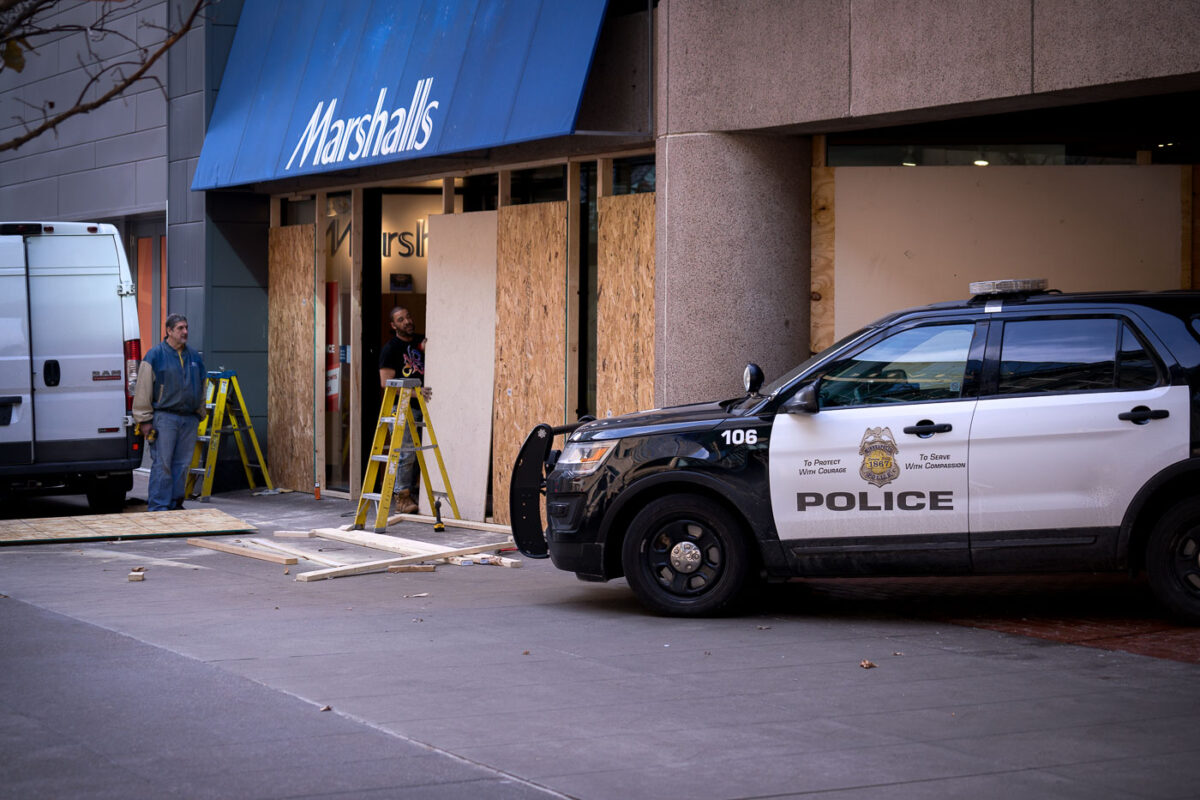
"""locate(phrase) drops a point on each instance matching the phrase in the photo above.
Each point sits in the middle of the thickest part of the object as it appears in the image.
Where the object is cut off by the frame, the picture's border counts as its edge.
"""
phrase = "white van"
(69, 350)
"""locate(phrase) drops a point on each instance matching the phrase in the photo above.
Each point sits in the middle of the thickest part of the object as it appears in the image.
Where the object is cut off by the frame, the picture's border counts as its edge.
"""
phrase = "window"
(913, 366)
(1135, 367)
(1072, 355)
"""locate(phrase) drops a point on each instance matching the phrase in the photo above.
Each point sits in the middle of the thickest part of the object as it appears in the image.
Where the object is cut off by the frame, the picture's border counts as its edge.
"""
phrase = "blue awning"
(315, 86)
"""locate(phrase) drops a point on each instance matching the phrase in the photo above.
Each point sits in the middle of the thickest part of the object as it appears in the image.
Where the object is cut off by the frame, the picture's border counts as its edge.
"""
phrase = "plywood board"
(119, 526)
(291, 364)
(909, 236)
(460, 355)
(531, 268)
(821, 279)
(625, 313)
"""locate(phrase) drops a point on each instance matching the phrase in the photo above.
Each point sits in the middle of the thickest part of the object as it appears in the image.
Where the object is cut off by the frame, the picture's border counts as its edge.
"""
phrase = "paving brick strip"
(1110, 612)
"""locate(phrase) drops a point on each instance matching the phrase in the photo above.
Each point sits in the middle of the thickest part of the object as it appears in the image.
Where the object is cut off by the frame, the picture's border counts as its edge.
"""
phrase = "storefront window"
(298, 212)
(633, 175)
(541, 185)
(481, 192)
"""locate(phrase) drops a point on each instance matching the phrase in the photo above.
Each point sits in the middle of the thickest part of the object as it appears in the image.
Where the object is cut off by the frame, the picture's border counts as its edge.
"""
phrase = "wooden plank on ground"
(373, 566)
(380, 541)
(242, 551)
(316, 558)
(491, 527)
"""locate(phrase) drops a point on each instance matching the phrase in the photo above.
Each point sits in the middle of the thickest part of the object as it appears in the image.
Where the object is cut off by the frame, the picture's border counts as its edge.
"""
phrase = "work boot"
(404, 502)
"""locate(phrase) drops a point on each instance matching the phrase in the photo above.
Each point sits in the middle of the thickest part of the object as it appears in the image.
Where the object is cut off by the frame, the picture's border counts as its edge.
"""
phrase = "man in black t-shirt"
(404, 357)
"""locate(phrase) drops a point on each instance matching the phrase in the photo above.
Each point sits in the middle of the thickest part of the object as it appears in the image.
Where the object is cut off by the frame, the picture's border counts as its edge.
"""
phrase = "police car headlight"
(584, 458)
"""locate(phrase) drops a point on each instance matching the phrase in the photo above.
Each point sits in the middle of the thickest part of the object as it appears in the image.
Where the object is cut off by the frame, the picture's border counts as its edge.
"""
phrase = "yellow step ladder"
(379, 482)
(221, 408)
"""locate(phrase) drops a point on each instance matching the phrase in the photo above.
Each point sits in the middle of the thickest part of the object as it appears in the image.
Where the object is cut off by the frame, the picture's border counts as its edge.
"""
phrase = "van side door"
(16, 395)
(77, 342)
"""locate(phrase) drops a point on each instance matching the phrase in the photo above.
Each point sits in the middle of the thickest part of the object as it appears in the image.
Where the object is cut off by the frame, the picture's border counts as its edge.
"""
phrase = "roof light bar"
(1008, 285)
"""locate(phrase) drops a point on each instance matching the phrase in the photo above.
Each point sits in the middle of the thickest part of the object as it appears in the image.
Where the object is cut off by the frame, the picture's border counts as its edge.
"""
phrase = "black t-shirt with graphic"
(406, 358)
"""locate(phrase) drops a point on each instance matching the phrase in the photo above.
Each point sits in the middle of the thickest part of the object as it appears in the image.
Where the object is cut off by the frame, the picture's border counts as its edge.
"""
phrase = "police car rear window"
(1072, 355)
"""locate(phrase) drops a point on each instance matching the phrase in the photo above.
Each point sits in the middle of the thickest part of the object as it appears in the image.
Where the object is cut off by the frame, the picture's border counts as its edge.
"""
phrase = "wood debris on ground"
(407, 555)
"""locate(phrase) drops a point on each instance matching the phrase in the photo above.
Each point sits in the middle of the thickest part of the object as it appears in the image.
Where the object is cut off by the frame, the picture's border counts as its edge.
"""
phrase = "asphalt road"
(211, 679)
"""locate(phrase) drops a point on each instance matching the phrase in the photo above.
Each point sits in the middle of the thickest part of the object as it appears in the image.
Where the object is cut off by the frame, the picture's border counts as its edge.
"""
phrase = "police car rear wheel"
(685, 556)
(1173, 560)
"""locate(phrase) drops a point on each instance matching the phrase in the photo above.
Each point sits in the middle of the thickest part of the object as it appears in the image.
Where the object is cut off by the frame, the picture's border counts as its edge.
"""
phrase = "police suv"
(1022, 430)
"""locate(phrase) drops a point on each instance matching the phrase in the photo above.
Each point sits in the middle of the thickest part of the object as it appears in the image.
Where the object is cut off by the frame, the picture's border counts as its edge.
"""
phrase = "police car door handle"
(927, 428)
(1140, 415)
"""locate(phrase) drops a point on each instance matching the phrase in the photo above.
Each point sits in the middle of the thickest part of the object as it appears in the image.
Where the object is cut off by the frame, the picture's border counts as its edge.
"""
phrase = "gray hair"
(174, 320)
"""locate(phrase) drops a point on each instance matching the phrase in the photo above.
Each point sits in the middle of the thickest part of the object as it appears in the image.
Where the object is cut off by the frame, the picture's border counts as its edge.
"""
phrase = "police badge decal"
(878, 449)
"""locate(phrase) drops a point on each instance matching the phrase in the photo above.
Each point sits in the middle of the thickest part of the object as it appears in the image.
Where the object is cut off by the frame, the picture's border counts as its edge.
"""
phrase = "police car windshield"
(791, 375)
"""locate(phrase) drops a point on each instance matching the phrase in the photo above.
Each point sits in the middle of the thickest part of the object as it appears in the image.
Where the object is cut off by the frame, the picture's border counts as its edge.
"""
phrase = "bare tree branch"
(18, 25)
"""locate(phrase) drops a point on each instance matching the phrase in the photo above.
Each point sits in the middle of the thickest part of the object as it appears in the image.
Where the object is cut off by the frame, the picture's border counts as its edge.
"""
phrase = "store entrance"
(395, 269)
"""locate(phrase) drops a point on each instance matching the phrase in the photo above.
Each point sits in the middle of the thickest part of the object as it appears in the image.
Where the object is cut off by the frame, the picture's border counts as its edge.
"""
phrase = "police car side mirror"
(752, 378)
(804, 401)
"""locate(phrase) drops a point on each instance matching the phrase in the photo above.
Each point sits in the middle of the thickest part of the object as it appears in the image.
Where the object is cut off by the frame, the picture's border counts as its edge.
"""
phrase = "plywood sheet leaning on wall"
(290, 360)
(821, 326)
(907, 237)
(460, 356)
(531, 269)
(625, 314)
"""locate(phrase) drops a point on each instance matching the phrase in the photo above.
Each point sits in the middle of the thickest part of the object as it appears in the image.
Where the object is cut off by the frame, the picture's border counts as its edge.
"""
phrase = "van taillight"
(133, 357)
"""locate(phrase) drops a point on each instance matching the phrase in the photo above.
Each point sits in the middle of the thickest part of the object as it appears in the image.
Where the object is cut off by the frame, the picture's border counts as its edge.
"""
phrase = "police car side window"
(1072, 355)
(1135, 367)
(912, 366)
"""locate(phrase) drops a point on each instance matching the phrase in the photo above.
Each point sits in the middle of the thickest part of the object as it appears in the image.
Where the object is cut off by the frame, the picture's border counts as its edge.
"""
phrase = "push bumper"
(525, 490)
(527, 487)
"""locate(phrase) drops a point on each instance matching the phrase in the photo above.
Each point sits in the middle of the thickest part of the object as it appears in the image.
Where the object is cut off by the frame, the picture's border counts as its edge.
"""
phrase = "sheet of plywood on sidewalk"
(625, 313)
(460, 356)
(821, 326)
(290, 366)
(531, 273)
(120, 526)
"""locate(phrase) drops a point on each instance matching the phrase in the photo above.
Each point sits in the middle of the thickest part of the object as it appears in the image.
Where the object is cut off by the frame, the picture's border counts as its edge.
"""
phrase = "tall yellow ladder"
(208, 438)
(395, 416)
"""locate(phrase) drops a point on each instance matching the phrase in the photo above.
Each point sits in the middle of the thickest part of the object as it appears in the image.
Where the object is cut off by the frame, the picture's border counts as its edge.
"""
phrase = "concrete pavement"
(207, 679)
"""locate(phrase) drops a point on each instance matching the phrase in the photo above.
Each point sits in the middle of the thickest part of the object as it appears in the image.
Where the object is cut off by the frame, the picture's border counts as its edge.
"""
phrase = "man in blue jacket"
(169, 404)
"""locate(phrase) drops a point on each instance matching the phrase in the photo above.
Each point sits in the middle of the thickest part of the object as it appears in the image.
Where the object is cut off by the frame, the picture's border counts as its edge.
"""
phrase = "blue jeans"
(170, 457)
(407, 463)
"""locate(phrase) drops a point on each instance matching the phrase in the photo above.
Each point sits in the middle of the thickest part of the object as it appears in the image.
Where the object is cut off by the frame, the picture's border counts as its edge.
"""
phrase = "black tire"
(685, 556)
(1173, 560)
(106, 497)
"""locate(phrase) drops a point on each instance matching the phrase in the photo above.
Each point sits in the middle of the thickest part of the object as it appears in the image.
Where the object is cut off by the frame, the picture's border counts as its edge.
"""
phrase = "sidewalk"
(491, 682)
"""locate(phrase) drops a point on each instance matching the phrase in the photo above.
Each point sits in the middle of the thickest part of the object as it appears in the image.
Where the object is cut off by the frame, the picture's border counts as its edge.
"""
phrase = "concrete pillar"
(732, 261)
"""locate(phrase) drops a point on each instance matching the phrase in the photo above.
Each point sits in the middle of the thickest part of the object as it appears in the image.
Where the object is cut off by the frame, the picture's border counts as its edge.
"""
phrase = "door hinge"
(126, 290)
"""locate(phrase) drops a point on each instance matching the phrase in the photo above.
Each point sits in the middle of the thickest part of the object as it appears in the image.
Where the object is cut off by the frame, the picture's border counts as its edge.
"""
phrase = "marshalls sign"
(316, 86)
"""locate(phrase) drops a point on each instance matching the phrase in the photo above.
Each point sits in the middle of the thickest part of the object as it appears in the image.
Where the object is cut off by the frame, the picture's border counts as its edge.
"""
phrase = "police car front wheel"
(685, 555)
(1173, 560)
